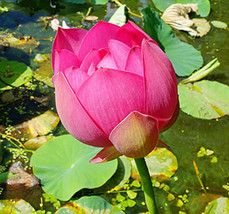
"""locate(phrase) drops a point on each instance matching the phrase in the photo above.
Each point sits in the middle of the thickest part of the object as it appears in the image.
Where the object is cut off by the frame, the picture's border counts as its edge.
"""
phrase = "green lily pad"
(204, 99)
(87, 205)
(184, 57)
(119, 17)
(204, 5)
(162, 165)
(13, 74)
(62, 165)
(219, 24)
(16, 207)
(218, 206)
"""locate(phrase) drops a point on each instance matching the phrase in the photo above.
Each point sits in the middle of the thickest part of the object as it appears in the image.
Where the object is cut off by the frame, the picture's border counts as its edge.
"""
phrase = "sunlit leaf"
(162, 165)
(184, 57)
(218, 206)
(204, 99)
(62, 165)
(204, 5)
(13, 74)
(119, 17)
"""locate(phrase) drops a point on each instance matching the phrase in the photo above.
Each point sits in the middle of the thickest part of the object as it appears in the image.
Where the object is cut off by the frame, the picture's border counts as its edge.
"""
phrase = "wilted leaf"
(119, 17)
(204, 5)
(219, 24)
(13, 74)
(202, 26)
(62, 165)
(184, 57)
(204, 99)
(162, 164)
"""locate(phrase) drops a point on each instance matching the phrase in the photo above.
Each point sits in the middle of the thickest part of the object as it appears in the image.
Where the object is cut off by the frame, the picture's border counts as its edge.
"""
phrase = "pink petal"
(107, 62)
(69, 39)
(94, 56)
(75, 77)
(106, 154)
(134, 63)
(131, 34)
(91, 69)
(97, 38)
(64, 59)
(74, 117)
(110, 95)
(172, 119)
(160, 83)
(119, 52)
(136, 136)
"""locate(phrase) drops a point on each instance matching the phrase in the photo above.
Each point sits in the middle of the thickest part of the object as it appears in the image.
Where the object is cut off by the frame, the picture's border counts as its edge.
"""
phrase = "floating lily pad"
(13, 74)
(119, 17)
(184, 57)
(62, 165)
(87, 205)
(16, 207)
(204, 99)
(218, 206)
(162, 165)
(219, 24)
(204, 5)
(44, 73)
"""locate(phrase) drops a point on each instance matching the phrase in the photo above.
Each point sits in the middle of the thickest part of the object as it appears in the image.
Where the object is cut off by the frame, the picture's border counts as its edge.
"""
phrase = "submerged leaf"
(37, 126)
(44, 73)
(162, 165)
(204, 99)
(62, 165)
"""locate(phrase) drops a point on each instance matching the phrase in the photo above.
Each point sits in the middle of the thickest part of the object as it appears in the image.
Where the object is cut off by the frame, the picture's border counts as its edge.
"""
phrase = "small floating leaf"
(204, 99)
(220, 205)
(13, 74)
(62, 165)
(162, 165)
(219, 24)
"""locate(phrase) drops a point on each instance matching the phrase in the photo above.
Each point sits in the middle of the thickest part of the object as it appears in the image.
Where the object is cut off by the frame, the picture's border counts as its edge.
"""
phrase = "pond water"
(185, 138)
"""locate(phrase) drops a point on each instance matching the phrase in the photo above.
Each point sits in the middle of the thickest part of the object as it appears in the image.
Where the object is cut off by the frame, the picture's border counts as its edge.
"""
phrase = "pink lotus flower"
(114, 87)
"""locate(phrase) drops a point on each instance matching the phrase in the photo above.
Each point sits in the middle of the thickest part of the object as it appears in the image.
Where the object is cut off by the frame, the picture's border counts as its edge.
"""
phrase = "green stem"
(147, 185)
